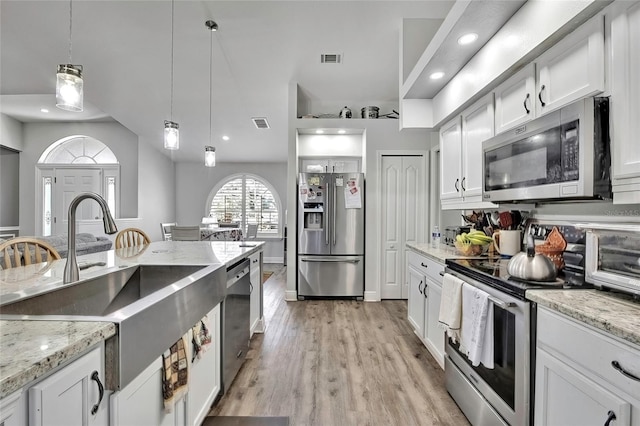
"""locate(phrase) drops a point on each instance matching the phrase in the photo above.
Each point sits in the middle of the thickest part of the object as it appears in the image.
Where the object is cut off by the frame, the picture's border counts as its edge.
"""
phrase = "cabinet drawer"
(590, 349)
(429, 267)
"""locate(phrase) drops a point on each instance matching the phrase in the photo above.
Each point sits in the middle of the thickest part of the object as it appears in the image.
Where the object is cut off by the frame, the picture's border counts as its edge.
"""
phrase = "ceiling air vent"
(260, 122)
(330, 58)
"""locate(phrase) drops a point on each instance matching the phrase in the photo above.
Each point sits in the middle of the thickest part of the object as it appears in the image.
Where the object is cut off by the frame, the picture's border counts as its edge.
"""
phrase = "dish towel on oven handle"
(450, 315)
(476, 337)
(175, 373)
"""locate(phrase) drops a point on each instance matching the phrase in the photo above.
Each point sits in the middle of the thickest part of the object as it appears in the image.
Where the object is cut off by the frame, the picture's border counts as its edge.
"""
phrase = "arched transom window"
(247, 199)
(78, 149)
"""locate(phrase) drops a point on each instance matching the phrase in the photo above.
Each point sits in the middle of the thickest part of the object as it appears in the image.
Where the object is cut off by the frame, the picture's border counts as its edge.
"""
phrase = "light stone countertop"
(613, 313)
(438, 254)
(30, 349)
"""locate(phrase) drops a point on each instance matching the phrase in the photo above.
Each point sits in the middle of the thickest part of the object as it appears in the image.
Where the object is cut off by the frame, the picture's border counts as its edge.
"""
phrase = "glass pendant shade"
(209, 156)
(171, 135)
(69, 88)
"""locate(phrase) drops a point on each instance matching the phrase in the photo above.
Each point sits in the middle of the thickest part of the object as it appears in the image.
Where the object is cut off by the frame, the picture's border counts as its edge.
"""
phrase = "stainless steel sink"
(152, 305)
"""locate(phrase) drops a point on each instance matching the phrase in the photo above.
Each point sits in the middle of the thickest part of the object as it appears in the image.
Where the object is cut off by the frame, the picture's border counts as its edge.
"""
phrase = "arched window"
(246, 199)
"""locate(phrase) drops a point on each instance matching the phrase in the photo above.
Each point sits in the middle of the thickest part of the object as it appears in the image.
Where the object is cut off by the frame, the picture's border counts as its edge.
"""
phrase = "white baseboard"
(371, 296)
(273, 260)
(291, 295)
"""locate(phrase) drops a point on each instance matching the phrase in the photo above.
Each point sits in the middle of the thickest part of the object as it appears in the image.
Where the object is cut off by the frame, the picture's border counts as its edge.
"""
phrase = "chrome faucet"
(71, 270)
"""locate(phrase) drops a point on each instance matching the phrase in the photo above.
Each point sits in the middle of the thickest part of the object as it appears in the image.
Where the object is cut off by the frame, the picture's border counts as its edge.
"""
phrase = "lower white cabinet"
(204, 373)
(256, 322)
(579, 378)
(425, 292)
(74, 395)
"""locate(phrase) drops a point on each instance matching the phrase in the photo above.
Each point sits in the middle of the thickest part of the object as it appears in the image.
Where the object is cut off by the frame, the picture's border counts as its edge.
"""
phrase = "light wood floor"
(338, 362)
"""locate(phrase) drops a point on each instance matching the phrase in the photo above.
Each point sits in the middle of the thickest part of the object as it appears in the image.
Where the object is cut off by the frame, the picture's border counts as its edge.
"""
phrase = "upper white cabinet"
(515, 99)
(625, 101)
(74, 395)
(572, 69)
(461, 156)
(330, 165)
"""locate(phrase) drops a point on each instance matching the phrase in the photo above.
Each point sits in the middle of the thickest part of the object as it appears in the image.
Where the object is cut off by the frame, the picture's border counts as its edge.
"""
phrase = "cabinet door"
(572, 69)
(450, 160)
(256, 293)
(141, 402)
(515, 99)
(625, 97)
(434, 335)
(68, 396)
(415, 307)
(344, 166)
(204, 374)
(477, 126)
(320, 165)
(564, 396)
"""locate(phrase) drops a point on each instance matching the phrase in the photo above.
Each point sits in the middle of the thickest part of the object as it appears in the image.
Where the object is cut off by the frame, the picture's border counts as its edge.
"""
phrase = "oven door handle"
(499, 303)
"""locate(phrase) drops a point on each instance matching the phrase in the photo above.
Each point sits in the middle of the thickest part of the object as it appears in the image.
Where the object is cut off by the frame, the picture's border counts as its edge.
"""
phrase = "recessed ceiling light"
(436, 75)
(44, 110)
(467, 39)
(319, 131)
(342, 131)
(225, 138)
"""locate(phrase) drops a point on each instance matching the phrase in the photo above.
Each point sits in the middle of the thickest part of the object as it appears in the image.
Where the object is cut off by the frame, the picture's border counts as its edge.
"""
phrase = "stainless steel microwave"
(563, 155)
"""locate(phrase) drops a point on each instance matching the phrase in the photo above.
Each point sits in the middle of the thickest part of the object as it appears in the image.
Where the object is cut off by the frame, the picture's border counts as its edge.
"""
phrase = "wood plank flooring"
(338, 362)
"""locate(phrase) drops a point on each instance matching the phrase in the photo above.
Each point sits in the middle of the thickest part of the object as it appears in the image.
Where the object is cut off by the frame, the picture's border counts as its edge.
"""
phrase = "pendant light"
(69, 85)
(171, 133)
(210, 151)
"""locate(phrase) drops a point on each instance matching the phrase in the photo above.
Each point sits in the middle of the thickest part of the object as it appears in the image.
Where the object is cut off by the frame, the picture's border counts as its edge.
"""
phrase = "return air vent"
(260, 122)
(330, 58)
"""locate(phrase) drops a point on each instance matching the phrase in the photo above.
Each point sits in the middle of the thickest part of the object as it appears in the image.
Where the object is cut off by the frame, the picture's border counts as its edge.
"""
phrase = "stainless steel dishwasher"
(235, 321)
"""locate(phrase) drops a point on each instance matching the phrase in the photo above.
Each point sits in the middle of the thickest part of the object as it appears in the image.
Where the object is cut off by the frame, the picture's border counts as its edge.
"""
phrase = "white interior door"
(68, 184)
(403, 216)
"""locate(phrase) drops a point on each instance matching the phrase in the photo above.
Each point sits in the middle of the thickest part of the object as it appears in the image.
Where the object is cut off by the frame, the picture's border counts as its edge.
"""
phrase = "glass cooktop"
(493, 272)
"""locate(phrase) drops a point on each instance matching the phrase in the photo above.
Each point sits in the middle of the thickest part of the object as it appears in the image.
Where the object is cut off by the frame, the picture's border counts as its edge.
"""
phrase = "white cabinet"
(625, 102)
(330, 165)
(425, 291)
(74, 395)
(141, 401)
(515, 99)
(204, 373)
(578, 375)
(461, 156)
(256, 324)
(572, 69)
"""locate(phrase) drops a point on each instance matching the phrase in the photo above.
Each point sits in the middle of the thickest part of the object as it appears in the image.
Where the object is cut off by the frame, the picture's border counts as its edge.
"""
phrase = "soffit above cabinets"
(483, 17)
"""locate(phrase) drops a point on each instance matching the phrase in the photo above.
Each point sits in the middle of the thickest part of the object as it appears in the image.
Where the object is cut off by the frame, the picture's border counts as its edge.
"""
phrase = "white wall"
(10, 132)
(38, 136)
(9, 188)
(194, 183)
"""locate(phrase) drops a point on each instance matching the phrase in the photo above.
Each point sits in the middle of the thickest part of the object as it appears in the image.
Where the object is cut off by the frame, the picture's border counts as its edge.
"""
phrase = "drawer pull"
(423, 265)
(617, 366)
(610, 417)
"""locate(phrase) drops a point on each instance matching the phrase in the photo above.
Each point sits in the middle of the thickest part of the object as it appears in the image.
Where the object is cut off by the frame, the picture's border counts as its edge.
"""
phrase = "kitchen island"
(31, 349)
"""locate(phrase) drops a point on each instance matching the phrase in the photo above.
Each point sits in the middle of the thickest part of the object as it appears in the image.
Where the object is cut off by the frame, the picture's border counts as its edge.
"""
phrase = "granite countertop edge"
(612, 313)
(57, 356)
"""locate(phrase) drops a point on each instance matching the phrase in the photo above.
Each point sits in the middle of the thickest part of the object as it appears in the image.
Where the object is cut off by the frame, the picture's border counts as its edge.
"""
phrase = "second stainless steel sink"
(152, 305)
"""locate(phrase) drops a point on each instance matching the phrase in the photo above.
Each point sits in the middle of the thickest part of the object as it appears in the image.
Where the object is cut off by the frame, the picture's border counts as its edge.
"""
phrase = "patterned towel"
(174, 382)
(201, 338)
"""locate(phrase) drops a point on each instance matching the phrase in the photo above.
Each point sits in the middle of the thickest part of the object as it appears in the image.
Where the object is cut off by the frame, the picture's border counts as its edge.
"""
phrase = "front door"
(68, 184)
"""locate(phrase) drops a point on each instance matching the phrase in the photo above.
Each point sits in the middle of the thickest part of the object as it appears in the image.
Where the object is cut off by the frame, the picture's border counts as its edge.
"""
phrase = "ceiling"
(261, 47)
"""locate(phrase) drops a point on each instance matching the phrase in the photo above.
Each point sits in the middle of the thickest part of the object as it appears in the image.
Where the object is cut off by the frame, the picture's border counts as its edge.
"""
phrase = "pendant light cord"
(171, 107)
(210, 83)
(70, 27)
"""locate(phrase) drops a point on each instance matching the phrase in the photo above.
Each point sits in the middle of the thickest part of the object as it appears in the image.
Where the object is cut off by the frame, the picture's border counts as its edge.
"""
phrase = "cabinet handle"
(462, 183)
(424, 291)
(423, 265)
(420, 287)
(610, 417)
(456, 185)
(526, 108)
(250, 288)
(96, 377)
(540, 96)
(617, 366)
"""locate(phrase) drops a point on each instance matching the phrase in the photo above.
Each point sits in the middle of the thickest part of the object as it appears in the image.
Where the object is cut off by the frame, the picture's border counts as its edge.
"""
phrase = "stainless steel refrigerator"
(331, 235)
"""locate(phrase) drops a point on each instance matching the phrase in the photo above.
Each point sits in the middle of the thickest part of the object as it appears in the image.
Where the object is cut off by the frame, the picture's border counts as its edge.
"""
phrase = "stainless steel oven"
(613, 257)
(500, 395)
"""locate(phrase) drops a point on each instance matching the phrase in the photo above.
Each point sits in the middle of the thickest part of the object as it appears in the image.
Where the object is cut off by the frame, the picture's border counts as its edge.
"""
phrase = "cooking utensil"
(530, 266)
(505, 220)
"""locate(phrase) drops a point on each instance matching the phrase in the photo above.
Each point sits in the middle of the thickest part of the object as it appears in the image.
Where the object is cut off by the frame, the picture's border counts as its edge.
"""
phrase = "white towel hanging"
(476, 339)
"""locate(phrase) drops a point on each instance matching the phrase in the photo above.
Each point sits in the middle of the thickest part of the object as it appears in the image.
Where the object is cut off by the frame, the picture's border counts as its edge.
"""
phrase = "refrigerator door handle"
(333, 208)
(326, 221)
(327, 260)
